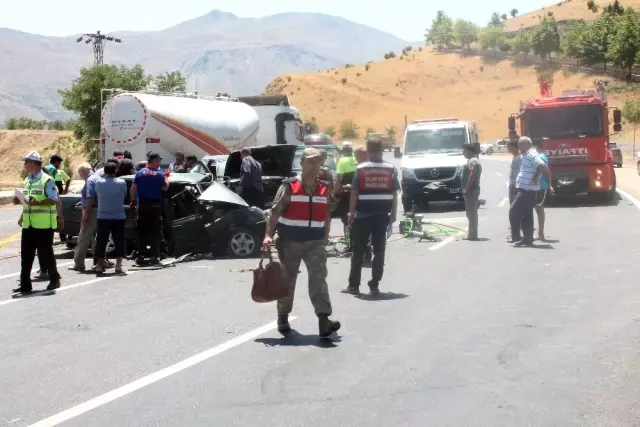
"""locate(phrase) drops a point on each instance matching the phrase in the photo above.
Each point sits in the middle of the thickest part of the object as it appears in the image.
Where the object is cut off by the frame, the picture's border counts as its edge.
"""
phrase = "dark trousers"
(41, 240)
(149, 228)
(521, 214)
(115, 228)
(374, 227)
(253, 197)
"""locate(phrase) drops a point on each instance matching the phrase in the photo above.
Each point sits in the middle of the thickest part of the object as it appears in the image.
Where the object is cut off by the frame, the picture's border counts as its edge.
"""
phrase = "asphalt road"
(464, 334)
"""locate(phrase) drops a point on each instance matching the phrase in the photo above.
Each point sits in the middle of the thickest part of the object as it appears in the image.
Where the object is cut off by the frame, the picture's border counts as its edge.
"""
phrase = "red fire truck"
(574, 131)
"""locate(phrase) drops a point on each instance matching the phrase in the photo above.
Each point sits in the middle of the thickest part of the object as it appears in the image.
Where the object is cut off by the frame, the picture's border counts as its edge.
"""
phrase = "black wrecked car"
(232, 221)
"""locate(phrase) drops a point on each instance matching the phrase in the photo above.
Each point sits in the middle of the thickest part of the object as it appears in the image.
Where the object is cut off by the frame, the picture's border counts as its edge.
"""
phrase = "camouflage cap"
(311, 153)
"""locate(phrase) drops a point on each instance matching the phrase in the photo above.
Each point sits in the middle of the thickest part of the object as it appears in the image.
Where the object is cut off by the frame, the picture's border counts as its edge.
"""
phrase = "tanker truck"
(166, 123)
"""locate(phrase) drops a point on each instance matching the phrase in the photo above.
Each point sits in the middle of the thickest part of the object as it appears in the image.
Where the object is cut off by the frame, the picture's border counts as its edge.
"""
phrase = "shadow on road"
(43, 293)
(382, 296)
(534, 246)
(296, 339)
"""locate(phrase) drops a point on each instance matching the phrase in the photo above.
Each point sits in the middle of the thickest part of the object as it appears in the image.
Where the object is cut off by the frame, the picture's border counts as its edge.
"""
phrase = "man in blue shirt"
(543, 192)
(148, 189)
(372, 208)
(111, 216)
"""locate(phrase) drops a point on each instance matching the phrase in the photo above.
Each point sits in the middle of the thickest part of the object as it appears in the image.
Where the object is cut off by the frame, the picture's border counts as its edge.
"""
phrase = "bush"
(331, 131)
(367, 67)
(348, 130)
(344, 80)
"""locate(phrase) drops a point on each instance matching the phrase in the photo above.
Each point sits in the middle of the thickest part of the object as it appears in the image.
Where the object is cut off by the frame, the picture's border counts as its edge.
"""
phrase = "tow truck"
(574, 131)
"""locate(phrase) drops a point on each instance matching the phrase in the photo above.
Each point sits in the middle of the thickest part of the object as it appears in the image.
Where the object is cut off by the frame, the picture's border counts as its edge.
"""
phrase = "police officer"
(301, 215)
(39, 220)
(372, 208)
(148, 189)
(346, 170)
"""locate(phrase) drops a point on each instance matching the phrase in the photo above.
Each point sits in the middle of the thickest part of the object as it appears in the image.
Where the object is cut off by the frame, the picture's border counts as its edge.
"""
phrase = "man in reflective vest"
(301, 214)
(39, 220)
(372, 208)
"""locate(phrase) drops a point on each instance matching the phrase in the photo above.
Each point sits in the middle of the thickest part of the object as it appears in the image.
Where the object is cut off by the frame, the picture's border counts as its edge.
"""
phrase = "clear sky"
(406, 19)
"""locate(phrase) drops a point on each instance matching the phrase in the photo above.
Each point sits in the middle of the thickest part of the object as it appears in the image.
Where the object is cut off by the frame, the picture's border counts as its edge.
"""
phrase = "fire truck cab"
(574, 131)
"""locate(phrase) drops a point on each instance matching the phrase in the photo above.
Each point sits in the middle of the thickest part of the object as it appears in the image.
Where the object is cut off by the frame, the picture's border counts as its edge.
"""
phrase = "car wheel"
(70, 245)
(489, 151)
(243, 243)
(407, 204)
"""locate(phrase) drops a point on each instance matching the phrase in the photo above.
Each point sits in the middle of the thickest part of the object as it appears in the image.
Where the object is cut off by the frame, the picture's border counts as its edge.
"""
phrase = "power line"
(98, 41)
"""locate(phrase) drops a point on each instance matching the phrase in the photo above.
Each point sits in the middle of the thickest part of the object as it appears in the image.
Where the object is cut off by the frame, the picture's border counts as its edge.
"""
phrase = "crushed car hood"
(276, 160)
(419, 161)
(220, 193)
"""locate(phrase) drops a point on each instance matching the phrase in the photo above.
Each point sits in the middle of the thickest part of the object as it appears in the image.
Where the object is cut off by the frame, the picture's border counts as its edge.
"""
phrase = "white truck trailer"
(166, 123)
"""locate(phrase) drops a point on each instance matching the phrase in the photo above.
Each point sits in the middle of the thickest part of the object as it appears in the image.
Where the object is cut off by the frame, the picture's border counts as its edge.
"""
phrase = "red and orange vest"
(304, 218)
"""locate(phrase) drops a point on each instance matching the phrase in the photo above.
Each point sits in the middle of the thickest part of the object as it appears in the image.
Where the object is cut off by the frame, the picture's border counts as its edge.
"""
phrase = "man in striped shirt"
(527, 186)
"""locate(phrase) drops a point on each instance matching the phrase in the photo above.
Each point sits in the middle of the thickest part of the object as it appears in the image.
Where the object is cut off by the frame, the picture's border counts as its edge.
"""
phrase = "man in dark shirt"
(148, 190)
(251, 180)
(126, 166)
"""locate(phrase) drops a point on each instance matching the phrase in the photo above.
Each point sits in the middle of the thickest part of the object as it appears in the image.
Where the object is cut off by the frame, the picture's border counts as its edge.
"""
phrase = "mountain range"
(217, 52)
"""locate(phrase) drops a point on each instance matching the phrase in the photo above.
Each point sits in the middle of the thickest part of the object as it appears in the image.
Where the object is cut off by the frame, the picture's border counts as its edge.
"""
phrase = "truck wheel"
(610, 195)
(407, 204)
(243, 243)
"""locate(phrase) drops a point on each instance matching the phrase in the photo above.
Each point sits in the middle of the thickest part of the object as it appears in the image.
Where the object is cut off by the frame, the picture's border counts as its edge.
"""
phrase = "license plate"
(455, 190)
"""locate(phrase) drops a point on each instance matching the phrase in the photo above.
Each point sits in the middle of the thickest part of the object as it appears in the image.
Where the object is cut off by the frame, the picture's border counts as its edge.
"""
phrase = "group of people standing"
(301, 214)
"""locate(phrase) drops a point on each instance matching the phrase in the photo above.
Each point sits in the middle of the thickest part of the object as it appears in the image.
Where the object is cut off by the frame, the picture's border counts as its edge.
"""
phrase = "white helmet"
(346, 144)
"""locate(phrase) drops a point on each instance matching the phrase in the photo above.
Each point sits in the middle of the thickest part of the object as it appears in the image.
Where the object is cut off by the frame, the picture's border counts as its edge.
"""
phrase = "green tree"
(465, 32)
(11, 123)
(614, 8)
(391, 131)
(84, 98)
(495, 19)
(546, 38)
(625, 43)
(596, 41)
(348, 129)
(504, 17)
(171, 82)
(592, 6)
(441, 31)
(330, 130)
(514, 12)
(631, 113)
(521, 43)
(572, 44)
(370, 130)
(491, 37)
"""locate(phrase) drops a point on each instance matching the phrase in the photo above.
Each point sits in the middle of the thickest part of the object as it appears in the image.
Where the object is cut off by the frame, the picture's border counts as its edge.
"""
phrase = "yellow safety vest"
(40, 217)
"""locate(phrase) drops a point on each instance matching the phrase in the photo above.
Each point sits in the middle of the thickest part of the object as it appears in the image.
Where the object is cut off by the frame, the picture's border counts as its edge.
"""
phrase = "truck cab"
(574, 132)
(280, 123)
(432, 160)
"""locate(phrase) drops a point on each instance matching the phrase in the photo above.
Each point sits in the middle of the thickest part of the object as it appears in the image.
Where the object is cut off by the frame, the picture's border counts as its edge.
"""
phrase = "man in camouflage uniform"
(301, 214)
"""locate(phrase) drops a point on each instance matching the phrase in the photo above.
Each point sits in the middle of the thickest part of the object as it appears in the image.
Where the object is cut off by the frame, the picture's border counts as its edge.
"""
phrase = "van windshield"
(440, 140)
(331, 163)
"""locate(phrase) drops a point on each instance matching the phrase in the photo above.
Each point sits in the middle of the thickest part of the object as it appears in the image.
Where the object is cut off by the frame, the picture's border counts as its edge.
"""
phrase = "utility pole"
(98, 40)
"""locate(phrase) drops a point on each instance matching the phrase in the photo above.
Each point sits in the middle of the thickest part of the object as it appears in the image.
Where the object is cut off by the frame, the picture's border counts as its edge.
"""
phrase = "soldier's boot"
(374, 288)
(326, 326)
(352, 290)
(283, 324)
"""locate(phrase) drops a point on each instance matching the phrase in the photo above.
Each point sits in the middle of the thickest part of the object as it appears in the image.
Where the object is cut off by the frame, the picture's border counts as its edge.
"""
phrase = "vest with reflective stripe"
(375, 187)
(303, 220)
(40, 217)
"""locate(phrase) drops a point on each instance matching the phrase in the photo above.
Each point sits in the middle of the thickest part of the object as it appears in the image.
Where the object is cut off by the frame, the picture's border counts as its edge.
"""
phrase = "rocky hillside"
(217, 52)
(418, 85)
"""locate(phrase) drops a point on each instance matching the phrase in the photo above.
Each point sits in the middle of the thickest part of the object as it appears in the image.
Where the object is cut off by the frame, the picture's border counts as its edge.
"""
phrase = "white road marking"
(503, 202)
(447, 240)
(154, 377)
(64, 288)
(6, 276)
(498, 173)
(629, 197)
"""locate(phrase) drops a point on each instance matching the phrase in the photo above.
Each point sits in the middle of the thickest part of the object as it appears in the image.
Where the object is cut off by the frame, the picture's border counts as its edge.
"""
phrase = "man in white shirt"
(527, 185)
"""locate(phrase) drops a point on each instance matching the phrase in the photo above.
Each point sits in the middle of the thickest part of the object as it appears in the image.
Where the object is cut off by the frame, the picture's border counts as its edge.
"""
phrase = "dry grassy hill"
(563, 10)
(423, 84)
(17, 143)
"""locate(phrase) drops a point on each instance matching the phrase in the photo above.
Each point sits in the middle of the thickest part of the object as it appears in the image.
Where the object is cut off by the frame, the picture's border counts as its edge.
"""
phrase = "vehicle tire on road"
(407, 204)
(243, 243)
(638, 167)
(489, 151)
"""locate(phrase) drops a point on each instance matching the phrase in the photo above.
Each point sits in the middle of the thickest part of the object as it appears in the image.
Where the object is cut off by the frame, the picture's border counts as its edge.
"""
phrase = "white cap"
(346, 144)
(34, 156)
